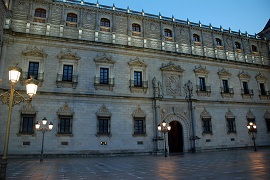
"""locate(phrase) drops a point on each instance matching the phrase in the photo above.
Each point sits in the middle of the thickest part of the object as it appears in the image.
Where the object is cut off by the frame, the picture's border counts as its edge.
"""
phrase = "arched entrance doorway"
(175, 137)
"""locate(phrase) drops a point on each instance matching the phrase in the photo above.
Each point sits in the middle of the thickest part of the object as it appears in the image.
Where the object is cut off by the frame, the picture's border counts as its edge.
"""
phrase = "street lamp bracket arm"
(17, 98)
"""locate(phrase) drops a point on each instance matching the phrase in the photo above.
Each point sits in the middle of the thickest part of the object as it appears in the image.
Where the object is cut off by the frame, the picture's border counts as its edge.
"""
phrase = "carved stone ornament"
(205, 114)
(243, 75)
(34, 51)
(137, 62)
(28, 109)
(224, 73)
(250, 115)
(103, 112)
(65, 111)
(67, 54)
(267, 115)
(138, 112)
(171, 67)
(200, 70)
(229, 114)
(261, 77)
(172, 85)
(104, 59)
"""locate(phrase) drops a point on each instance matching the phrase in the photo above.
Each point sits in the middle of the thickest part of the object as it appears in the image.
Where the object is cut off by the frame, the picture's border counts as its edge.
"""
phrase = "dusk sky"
(246, 15)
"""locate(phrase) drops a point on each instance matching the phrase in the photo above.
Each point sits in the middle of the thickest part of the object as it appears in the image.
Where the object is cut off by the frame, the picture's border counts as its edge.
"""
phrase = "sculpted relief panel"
(172, 83)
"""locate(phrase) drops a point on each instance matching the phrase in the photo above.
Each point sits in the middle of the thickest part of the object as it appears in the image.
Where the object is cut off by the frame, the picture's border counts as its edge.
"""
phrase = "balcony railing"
(227, 91)
(203, 88)
(246, 91)
(104, 82)
(142, 84)
(66, 82)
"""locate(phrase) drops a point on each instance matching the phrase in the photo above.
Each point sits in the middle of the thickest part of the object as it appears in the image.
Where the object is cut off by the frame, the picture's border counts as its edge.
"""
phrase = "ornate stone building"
(108, 76)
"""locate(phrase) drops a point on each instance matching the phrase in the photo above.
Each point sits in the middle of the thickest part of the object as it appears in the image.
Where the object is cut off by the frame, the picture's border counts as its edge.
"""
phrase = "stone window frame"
(261, 78)
(171, 71)
(230, 117)
(206, 116)
(66, 57)
(104, 61)
(33, 54)
(219, 43)
(168, 37)
(202, 72)
(196, 38)
(238, 46)
(244, 77)
(27, 110)
(104, 113)
(140, 114)
(225, 75)
(71, 23)
(65, 112)
(254, 49)
(138, 65)
(105, 28)
(136, 33)
(39, 19)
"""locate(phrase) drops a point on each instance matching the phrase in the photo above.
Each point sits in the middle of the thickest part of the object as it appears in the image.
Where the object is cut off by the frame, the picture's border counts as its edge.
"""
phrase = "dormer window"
(71, 20)
(40, 15)
(105, 24)
(136, 29)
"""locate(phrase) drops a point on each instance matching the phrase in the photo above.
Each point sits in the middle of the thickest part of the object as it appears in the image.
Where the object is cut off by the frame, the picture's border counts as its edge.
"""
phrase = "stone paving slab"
(232, 164)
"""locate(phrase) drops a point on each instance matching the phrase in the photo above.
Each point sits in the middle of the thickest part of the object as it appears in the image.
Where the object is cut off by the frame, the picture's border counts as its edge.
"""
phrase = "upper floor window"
(218, 42)
(244, 79)
(105, 24)
(67, 73)
(168, 34)
(245, 87)
(71, 20)
(33, 70)
(136, 29)
(237, 45)
(138, 78)
(40, 15)
(225, 86)
(262, 89)
(202, 84)
(262, 86)
(196, 38)
(254, 48)
(104, 75)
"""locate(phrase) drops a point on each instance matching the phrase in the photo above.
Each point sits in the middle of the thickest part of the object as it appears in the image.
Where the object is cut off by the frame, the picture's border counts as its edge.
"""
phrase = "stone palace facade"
(109, 76)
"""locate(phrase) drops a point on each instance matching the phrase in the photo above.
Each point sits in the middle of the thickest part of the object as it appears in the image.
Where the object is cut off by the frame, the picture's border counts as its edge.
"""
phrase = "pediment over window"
(243, 75)
(104, 59)
(65, 111)
(137, 62)
(250, 115)
(104, 112)
(224, 73)
(261, 77)
(267, 115)
(34, 51)
(138, 112)
(200, 70)
(67, 54)
(171, 67)
(28, 109)
(229, 114)
(205, 114)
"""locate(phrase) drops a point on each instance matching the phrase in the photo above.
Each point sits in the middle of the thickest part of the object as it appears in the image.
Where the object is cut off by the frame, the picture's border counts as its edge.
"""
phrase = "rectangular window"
(27, 125)
(225, 86)
(65, 125)
(231, 124)
(202, 84)
(67, 73)
(139, 126)
(262, 89)
(245, 87)
(33, 70)
(103, 126)
(207, 127)
(104, 75)
(138, 78)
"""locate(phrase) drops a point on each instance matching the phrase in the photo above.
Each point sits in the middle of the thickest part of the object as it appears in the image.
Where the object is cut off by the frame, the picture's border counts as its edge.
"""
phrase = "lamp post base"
(3, 169)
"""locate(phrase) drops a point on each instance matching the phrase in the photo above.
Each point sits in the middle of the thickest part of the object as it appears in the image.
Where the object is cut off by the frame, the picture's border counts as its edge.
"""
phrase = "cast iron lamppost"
(252, 128)
(12, 98)
(164, 128)
(43, 129)
(189, 92)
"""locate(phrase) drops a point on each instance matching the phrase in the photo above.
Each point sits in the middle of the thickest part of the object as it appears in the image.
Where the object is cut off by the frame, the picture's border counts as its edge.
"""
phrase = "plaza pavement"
(231, 164)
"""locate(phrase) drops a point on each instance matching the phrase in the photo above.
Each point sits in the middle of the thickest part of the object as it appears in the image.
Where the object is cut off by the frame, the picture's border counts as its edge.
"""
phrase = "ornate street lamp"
(43, 129)
(12, 98)
(252, 128)
(164, 128)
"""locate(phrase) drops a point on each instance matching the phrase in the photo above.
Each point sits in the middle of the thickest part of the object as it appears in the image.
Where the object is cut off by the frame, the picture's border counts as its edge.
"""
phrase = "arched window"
(237, 45)
(218, 42)
(71, 20)
(136, 29)
(196, 38)
(105, 24)
(167, 33)
(254, 48)
(40, 15)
